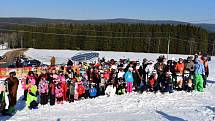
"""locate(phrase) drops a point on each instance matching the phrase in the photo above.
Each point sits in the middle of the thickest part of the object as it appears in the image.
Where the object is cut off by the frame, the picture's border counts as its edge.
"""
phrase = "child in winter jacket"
(129, 79)
(122, 86)
(168, 83)
(71, 90)
(188, 84)
(93, 91)
(179, 69)
(80, 90)
(152, 80)
(43, 91)
(32, 95)
(52, 92)
(110, 90)
(63, 85)
(59, 93)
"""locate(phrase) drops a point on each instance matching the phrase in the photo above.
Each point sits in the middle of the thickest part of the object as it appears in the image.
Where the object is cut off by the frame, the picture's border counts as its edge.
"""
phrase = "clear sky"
(202, 11)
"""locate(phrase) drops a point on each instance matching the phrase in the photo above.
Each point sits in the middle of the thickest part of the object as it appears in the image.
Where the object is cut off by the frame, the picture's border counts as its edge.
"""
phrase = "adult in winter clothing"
(204, 61)
(43, 91)
(13, 83)
(160, 68)
(129, 79)
(137, 77)
(199, 71)
(143, 74)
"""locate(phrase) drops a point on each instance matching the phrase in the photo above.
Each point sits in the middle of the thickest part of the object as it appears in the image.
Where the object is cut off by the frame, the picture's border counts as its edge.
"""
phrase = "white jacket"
(110, 90)
(121, 74)
(149, 69)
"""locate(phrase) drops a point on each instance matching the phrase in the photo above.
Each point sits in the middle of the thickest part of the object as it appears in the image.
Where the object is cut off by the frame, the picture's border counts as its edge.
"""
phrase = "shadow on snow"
(20, 105)
(169, 117)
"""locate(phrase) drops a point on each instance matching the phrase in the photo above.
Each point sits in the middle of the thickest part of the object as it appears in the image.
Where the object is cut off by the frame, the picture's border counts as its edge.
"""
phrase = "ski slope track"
(178, 106)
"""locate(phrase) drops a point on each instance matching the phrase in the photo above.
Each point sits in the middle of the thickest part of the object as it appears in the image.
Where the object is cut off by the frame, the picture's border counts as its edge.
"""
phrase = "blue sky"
(202, 11)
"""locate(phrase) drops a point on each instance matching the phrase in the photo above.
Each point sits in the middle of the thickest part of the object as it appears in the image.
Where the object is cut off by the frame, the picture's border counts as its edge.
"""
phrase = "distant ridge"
(35, 21)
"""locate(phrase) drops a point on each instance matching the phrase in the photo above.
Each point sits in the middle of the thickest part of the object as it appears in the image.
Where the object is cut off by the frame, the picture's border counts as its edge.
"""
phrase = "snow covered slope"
(179, 106)
(62, 56)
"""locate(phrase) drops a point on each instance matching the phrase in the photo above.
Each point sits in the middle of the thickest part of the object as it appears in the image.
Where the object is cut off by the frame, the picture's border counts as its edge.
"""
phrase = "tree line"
(183, 39)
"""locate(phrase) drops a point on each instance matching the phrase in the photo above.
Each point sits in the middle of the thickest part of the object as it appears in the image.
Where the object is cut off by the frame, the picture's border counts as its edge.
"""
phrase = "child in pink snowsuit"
(59, 93)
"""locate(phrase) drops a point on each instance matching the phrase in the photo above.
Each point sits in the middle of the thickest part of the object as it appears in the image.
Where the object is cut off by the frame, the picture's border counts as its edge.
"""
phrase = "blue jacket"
(93, 92)
(129, 77)
(199, 68)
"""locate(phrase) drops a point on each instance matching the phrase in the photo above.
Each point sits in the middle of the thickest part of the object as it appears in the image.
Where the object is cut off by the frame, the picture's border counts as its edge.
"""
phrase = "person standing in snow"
(199, 71)
(204, 61)
(71, 87)
(43, 91)
(32, 94)
(4, 98)
(179, 69)
(52, 61)
(59, 93)
(129, 80)
(160, 68)
(13, 83)
(52, 92)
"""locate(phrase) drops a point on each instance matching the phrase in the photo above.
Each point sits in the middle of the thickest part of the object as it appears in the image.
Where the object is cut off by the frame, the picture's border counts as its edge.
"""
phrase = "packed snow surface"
(178, 106)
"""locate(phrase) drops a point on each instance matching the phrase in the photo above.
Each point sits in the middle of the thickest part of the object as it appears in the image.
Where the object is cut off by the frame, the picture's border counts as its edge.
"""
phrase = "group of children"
(88, 80)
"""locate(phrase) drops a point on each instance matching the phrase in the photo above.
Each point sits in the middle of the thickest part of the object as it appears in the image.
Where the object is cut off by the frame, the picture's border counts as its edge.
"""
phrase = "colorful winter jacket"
(129, 77)
(58, 92)
(32, 94)
(43, 87)
(93, 92)
(179, 68)
(110, 90)
(199, 68)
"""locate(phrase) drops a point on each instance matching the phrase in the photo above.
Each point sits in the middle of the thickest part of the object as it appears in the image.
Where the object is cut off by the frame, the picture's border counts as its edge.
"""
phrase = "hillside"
(34, 21)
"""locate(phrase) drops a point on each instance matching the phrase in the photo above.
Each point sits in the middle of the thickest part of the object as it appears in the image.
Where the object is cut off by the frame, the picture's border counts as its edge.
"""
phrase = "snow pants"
(199, 83)
(129, 87)
(43, 99)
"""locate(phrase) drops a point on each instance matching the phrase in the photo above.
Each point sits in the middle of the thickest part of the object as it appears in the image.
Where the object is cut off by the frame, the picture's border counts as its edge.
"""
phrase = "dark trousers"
(59, 99)
(43, 98)
(25, 95)
(52, 99)
(71, 98)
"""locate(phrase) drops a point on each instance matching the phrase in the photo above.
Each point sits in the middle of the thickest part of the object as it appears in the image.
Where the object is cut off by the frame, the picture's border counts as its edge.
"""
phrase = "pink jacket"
(43, 87)
(58, 92)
